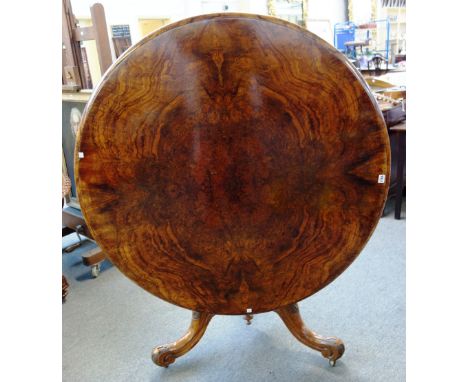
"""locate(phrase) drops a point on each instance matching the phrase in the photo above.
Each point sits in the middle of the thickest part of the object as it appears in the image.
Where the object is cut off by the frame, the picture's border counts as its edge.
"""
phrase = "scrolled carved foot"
(331, 348)
(164, 355)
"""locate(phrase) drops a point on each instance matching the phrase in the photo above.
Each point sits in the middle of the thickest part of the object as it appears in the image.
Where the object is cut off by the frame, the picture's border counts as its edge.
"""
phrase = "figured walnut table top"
(230, 162)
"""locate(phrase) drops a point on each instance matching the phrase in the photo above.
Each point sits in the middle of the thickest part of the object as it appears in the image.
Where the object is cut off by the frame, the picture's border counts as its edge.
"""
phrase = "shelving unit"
(396, 14)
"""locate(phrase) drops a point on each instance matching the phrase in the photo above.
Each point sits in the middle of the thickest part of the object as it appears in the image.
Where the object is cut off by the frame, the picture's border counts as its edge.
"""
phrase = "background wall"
(141, 15)
(324, 14)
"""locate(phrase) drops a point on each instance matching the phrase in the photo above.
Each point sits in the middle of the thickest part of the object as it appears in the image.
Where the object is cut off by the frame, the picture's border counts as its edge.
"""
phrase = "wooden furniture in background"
(66, 186)
(395, 118)
(399, 131)
(73, 67)
(73, 104)
(233, 164)
(392, 103)
(121, 39)
(74, 221)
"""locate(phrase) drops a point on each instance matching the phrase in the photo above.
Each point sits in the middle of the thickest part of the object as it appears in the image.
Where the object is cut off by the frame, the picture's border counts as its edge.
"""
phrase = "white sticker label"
(80, 155)
(381, 178)
(249, 310)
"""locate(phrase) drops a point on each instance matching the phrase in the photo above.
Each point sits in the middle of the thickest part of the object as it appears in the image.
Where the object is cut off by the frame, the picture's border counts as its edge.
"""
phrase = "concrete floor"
(110, 326)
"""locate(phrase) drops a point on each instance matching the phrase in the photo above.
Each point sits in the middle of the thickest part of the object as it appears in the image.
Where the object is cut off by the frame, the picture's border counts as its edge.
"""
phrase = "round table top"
(232, 162)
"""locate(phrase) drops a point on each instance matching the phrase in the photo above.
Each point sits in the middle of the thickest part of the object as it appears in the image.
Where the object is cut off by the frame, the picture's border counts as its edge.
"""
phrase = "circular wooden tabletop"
(230, 162)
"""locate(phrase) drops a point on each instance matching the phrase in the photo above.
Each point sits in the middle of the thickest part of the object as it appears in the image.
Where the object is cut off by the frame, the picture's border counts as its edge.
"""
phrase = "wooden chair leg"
(93, 259)
(331, 348)
(400, 176)
(164, 355)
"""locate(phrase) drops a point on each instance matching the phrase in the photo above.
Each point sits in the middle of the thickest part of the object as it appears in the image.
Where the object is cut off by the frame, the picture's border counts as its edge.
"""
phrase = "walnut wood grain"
(331, 348)
(164, 355)
(231, 163)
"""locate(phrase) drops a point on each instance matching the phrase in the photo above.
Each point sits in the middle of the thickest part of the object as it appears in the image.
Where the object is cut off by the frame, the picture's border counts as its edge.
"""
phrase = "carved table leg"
(164, 355)
(331, 348)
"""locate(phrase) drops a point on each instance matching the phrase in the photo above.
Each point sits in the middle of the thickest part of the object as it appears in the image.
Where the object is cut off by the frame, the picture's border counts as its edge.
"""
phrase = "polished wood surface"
(230, 162)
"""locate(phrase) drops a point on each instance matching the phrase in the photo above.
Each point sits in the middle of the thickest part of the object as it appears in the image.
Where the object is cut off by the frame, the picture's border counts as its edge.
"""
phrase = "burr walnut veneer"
(233, 164)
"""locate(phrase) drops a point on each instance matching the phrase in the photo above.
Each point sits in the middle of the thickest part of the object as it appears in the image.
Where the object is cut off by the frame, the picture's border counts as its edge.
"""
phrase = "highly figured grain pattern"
(231, 163)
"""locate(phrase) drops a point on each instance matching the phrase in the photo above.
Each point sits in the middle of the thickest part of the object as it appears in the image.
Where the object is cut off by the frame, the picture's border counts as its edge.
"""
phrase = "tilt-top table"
(233, 164)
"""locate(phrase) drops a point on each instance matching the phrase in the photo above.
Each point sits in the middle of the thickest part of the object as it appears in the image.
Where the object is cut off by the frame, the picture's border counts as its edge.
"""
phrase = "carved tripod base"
(331, 348)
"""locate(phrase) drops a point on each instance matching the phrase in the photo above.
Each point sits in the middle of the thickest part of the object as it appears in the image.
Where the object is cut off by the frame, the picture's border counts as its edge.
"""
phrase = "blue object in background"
(344, 32)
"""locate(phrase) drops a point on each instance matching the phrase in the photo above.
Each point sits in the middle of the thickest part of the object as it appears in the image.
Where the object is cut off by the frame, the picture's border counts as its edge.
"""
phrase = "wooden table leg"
(164, 355)
(400, 176)
(331, 348)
